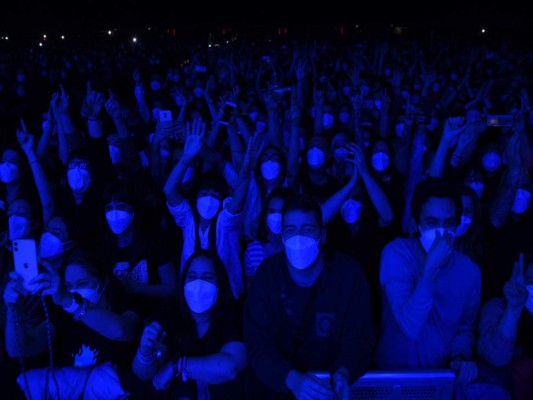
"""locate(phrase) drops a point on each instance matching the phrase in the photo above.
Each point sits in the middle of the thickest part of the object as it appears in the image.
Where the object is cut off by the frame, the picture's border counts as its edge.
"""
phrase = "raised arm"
(41, 182)
(195, 132)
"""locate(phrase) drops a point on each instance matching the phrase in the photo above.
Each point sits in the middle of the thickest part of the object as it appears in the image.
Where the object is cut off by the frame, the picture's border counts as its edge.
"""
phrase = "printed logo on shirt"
(137, 274)
(324, 323)
(85, 357)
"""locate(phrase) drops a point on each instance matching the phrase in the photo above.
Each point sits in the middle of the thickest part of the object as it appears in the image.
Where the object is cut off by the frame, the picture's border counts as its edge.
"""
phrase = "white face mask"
(19, 227)
(253, 115)
(400, 129)
(529, 302)
(344, 117)
(491, 161)
(260, 127)
(9, 172)
(155, 86)
(463, 226)
(301, 251)
(327, 120)
(351, 211)
(114, 153)
(200, 295)
(79, 179)
(477, 187)
(91, 295)
(521, 201)
(118, 220)
(50, 245)
(316, 157)
(207, 206)
(273, 221)
(198, 92)
(380, 161)
(270, 170)
(428, 236)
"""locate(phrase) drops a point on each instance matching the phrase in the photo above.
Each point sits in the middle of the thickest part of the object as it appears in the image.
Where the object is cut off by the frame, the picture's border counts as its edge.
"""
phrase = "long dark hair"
(225, 296)
(278, 193)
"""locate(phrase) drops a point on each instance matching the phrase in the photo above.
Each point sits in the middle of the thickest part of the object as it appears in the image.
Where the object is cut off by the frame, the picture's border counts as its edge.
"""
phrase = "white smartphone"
(165, 115)
(25, 259)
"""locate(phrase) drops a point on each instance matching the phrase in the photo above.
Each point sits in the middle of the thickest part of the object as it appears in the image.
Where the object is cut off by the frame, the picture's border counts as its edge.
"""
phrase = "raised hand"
(439, 254)
(25, 139)
(453, 126)
(92, 104)
(356, 156)
(515, 290)
(51, 284)
(60, 102)
(14, 288)
(152, 336)
(195, 132)
(113, 108)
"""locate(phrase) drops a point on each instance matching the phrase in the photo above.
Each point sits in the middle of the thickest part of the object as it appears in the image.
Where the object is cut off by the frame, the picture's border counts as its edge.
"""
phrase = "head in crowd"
(21, 219)
(271, 164)
(79, 171)
(317, 152)
(55, 241)
(211, 191)
(84, 275)
(205, 286)
(302, 231)
(121, 206)
(11, 166)
(270, 216)
(380, 156)
(436, 207)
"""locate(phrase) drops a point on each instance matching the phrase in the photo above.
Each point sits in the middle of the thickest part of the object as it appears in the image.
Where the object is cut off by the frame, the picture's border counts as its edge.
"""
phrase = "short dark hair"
(212, 181)
(435, 187)
(121, 191)
(302, 202)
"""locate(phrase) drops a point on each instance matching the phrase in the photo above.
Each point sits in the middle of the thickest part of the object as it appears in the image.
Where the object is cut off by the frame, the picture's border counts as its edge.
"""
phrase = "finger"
(23, 124)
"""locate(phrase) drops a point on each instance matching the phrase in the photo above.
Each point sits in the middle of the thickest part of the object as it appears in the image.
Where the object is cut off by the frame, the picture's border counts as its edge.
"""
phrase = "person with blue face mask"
(212, 220)
(194, 348)
(431, 291)
(307, 310)
(506, 328)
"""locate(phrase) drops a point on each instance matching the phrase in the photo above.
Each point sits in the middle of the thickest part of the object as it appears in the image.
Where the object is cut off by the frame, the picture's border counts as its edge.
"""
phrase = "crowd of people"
(363, 205)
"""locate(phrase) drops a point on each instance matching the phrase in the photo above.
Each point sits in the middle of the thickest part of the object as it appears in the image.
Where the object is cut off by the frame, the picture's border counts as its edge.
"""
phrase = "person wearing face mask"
(80, 202)
(506, 329)
(313, 176)
(136, 249)
(194, 348)
(431, 291)
(13, 180)
(307, 310)
(212, 220)
(89, 323)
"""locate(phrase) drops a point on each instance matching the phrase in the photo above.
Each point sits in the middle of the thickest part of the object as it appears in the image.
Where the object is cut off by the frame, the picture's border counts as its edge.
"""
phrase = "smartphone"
(228, 110)
(25, 258)
(500, 120)
(165, 115)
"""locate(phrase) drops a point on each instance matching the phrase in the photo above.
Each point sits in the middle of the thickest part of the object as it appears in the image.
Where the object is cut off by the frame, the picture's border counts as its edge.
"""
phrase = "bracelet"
(74, 306)
(81, 311)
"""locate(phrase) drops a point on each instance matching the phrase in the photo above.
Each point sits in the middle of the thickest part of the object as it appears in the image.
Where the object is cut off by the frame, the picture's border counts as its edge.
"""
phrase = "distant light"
(40, 44)
(357, 26)
(227, 41)
(149, 28)
(44, 36)
(482, 30)
(209, 45)
(62, 37)
(7, 38)
(134, 40)
(109, 33)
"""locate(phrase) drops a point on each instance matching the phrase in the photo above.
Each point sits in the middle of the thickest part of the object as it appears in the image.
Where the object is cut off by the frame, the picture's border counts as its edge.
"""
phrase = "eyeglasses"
(79, 164)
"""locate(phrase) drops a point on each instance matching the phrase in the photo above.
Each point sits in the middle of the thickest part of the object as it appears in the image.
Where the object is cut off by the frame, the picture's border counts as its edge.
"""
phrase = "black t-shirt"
(75, 343)
(139, 261)
(182, 340)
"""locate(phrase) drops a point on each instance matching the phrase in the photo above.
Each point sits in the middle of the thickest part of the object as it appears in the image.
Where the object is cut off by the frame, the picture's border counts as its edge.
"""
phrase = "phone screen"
(500, 120)
(25, 259)
(229, 108)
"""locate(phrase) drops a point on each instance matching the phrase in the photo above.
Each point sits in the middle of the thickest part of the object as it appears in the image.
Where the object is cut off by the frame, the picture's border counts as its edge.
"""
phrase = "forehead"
(75, 272)
(56, 224)
(275, 203)
(10, 155)
(380, 146)
(339, 139)
(201, 265)
(19, 207)
(299, 217)
(438, 207)
(270, 153)
(318, 141)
